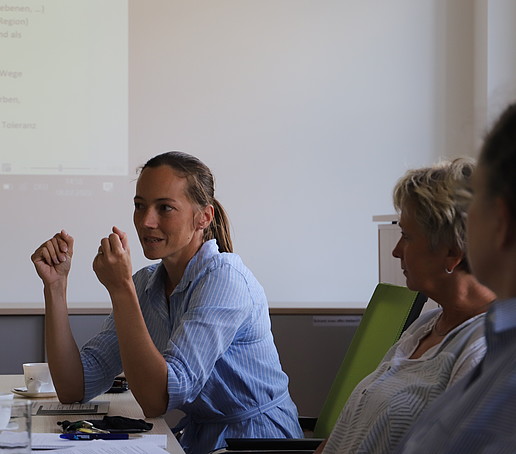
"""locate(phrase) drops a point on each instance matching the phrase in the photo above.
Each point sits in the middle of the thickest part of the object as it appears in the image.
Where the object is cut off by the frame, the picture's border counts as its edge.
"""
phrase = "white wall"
(501, 55)
(495, 61)
(307, 112)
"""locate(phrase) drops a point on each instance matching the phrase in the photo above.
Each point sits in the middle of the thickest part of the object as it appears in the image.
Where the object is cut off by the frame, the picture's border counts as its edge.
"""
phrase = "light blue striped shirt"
(478, 414)
(214, 332)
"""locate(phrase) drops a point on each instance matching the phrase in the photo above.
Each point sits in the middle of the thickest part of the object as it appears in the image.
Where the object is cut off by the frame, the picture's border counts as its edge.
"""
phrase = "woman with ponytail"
(191, 332)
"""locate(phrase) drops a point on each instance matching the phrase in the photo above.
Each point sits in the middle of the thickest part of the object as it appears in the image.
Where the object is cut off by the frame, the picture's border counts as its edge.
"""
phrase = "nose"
(396, 252)
(149, 219)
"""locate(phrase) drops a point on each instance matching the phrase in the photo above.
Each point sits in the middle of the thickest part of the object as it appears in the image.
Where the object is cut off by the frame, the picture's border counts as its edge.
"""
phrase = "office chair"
(390, 311)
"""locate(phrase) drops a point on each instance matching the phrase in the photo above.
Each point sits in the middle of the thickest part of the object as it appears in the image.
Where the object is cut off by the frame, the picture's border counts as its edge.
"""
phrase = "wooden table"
(122, 404)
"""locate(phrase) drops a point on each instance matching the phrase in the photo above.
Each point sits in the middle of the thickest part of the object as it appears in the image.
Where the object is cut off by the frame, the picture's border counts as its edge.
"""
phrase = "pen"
(82, 436)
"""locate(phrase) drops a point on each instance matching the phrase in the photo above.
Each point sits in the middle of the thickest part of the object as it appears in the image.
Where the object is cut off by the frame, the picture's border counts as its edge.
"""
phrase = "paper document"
(11, 440)
(111, 447)
(51, 407)
(53, 441)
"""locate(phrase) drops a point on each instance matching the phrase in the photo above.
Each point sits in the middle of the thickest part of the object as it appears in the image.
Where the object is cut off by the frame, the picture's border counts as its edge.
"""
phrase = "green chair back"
(389, 312)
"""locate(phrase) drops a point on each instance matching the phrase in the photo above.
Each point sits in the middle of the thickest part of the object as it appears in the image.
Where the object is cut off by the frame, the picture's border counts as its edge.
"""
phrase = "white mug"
(5, 409)
(38, 378)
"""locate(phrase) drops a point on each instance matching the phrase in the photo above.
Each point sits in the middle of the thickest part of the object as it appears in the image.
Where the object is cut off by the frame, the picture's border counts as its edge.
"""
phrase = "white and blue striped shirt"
(385, 404)
(478, 414)
(214, 333)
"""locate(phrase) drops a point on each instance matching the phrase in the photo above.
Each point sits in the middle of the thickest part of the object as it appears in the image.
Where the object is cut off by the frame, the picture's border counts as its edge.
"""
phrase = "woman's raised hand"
(112, 264)
(53, 258)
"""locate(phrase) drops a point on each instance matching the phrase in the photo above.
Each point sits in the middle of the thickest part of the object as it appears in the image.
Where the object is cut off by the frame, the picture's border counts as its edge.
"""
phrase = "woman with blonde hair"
(477, 415)
(443, 344)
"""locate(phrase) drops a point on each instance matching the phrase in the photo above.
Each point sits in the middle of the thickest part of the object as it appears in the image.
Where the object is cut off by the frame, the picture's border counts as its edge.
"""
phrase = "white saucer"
(23, 392)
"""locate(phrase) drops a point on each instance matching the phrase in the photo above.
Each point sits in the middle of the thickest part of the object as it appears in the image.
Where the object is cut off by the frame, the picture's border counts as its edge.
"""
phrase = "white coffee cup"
(5, 409)
(38, 378)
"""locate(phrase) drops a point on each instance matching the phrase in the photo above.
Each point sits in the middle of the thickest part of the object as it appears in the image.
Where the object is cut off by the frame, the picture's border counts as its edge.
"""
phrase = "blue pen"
(83, 436)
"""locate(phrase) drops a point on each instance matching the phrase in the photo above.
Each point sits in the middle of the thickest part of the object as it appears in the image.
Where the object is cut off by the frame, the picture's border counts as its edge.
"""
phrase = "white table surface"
(122, 404)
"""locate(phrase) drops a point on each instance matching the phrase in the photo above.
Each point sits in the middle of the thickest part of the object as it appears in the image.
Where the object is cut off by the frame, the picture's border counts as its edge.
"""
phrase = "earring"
(448, 271)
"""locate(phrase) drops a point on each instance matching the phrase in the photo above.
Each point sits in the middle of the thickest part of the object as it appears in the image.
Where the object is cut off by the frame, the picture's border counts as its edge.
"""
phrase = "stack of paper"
(144, 444)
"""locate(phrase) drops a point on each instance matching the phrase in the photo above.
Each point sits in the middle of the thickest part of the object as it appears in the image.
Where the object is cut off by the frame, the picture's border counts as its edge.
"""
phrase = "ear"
(205, 216)
(505, 225)
(454, 257)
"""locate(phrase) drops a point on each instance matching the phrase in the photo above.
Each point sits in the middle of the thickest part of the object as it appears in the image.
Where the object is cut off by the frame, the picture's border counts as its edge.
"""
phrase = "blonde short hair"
(439, 196)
